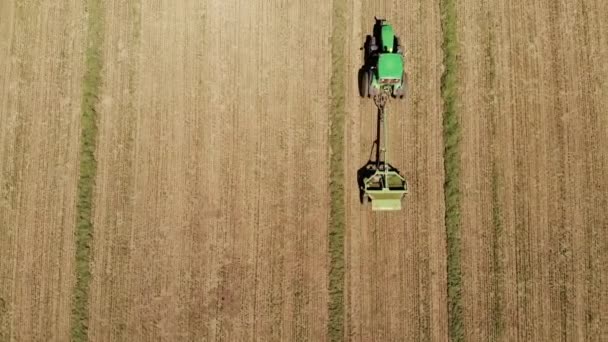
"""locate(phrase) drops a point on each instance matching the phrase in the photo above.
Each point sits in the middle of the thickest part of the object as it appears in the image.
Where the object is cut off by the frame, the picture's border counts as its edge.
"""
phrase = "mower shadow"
(371, 165)
(364, 172)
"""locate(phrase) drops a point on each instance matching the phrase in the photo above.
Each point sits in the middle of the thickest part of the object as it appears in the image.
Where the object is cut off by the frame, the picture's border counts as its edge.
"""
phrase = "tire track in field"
(561, 235)
(337, 217)
(88, 170)
(497, 267)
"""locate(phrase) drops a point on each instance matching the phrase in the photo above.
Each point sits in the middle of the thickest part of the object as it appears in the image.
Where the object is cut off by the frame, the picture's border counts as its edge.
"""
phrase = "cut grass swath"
(451, 136)
(336, 185)
(88, 169)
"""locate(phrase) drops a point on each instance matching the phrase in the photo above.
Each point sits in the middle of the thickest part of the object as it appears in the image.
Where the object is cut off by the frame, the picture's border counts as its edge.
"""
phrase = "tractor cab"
(384, 33)
(383, 69)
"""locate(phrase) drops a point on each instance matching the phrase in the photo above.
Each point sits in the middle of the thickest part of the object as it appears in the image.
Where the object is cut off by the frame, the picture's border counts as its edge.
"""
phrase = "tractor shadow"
(364, 172)
(371, 165)
(368, 57)
(366, 65)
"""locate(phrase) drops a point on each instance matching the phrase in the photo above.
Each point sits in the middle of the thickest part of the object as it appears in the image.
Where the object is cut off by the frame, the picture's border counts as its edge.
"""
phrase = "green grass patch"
(88, 169)
(451, 137)
(337, 220)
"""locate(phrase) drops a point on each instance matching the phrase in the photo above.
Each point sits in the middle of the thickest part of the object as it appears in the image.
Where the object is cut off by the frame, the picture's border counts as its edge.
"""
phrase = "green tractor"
(383, 67)
(382, 76)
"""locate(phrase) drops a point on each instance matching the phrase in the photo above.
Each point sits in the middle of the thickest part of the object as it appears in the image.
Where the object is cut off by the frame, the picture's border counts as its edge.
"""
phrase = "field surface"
(41, 68)
(225, 204)
(533, 98)
(211, 198)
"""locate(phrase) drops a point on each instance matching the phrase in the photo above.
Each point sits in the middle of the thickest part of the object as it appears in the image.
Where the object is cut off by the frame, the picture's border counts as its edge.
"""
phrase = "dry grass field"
(228, 136)
(211, 198)
(533, 98)
(41, 68)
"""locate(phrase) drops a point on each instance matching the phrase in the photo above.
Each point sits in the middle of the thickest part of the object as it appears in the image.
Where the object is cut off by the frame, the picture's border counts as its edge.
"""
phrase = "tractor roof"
(390, 65)
(388, 38)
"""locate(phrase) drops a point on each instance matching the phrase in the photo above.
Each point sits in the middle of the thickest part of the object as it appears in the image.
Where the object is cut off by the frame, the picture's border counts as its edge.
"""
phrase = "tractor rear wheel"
(404, 89)
(397, 44)
(363, 83)
(373, 91)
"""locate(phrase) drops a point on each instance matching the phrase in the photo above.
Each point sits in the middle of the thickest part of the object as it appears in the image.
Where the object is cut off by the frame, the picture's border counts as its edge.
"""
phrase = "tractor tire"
(397, 45)
(373, 45)
(404, 86)
(397, 93)
(400, 93)
(363, 83)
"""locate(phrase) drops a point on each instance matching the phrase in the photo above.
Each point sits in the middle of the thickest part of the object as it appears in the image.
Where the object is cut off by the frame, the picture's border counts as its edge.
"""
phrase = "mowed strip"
(88, 169)
(41, 69)
(535, 151)
(396, 271)
(212, 197)
(337, 220)
(452, 168)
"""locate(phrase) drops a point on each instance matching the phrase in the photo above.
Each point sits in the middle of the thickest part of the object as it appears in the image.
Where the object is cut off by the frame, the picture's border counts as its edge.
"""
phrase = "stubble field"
(212, 184)
(534, 170)
(41, 69)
